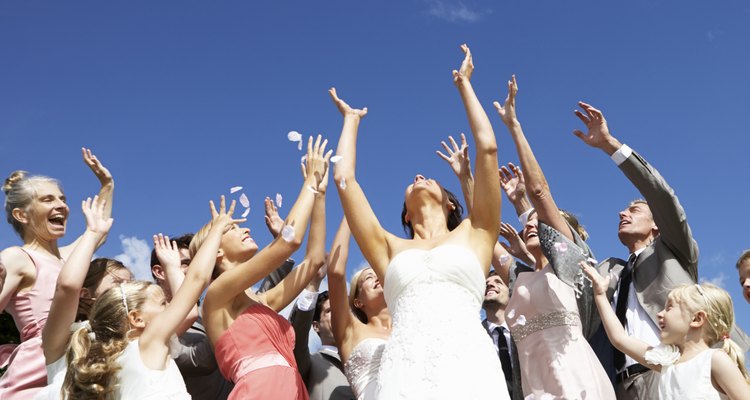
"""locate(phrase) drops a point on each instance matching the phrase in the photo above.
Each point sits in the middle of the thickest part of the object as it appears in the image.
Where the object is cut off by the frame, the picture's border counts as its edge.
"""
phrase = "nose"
(418, 177)
(660, 314)
(746, 283)
(622, 214)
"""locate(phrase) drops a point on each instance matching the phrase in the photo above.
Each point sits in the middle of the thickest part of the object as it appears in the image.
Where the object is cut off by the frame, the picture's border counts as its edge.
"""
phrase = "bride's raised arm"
(485, 210)
(367, 231)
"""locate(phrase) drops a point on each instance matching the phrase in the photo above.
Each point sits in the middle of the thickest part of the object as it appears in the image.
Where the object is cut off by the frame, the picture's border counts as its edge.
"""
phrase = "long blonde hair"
(719, 309)
(95, 347)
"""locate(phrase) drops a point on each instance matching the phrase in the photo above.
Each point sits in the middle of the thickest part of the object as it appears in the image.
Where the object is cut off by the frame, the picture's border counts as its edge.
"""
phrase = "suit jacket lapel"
(333, 358)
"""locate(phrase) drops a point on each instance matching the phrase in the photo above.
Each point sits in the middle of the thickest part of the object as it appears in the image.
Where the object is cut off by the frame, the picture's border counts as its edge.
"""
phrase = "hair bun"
(14, 178)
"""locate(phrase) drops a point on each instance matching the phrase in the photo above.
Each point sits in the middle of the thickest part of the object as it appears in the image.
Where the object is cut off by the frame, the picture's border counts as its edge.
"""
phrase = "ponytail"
(735, 353)
(92, 366)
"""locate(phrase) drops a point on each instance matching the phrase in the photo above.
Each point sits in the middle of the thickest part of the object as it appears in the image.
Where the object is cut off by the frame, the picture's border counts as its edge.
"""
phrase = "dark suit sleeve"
(276, 276)
(668, 213)
(301, 322)
(193, 354)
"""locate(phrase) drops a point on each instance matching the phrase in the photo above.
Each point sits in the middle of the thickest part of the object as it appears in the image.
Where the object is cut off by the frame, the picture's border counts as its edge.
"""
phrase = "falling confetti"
(504, 258)
(244, 200)
(287, 233)
(336, 159)
(278, 200)
(511, 313)
(561, 247)
(235, 189)
(342, 184)
(244, 214)
(295, 136)
(303, 159)
(520, 321)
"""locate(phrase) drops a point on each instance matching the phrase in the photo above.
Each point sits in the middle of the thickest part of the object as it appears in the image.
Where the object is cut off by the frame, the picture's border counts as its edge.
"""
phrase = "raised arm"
(369, 234)
(459, 161)
(290, 287)
(56, 333)
(669, 216)
(514, 185)
(236, 280)
(342, 318)
(302, 321)
(169, 258)
(485, 210)
(157, 333)
(536, 184)
(629, 345)
(106, 194)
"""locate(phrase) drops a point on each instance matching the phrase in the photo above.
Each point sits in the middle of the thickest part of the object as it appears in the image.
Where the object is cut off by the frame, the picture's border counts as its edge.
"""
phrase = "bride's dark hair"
(455, 216)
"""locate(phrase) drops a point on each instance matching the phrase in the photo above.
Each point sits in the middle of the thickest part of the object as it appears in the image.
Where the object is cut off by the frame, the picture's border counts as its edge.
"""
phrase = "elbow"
(537, 191)
(488, 149)
(342, 175)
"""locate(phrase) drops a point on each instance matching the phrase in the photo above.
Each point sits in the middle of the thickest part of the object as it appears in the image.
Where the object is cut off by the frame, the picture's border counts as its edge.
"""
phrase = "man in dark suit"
(323, 371)
(663, 255)
(496, 297)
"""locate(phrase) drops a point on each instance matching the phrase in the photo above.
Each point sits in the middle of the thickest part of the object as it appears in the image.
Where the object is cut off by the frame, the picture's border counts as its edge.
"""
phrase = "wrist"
(512, 123)
(611, 145)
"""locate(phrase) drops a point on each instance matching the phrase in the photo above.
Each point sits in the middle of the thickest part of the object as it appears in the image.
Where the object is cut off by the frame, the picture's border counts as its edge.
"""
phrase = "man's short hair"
(322, 297)
(183, 242)
(743, 257)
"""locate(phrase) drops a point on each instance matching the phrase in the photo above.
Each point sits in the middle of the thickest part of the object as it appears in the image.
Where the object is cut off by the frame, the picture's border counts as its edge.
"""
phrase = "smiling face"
(237, 245)
(744, 272)
(530, 234)
(496, 291)
(47, 214)
(366, 294)
(636, 224)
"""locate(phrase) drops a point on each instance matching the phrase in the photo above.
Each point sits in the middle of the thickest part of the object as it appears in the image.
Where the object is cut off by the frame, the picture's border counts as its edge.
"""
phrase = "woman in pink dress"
(36, 208)
(548, 312)
(253, 344)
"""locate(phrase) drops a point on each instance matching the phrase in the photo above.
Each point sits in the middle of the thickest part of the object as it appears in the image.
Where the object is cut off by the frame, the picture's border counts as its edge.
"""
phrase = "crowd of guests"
(559, 324)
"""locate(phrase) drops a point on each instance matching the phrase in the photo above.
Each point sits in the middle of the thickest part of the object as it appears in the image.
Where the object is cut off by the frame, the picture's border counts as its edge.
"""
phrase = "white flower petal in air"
(336, 159)
(592, 261)
(299, 145)
(294, 136)
(663, 354)
(287, 233)
(303, 159)
(561, 247)
(278, 200)
(244, 200)
(511, 313)
(342, 184)
(235, 189)
(504, 258)
(244, 214)
(520, 321)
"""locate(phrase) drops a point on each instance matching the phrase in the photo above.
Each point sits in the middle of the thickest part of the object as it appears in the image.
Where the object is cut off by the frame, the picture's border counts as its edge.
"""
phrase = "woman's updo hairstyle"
(20, 189)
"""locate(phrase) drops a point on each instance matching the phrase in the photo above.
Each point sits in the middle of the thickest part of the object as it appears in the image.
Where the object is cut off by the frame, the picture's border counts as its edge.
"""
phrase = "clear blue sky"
(183, 100)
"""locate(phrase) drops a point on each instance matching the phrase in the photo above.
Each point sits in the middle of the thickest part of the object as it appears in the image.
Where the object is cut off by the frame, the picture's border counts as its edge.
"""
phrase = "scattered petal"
(299, 145)
(511, 313)
(303, 159)
(294, 136)
(504, 258)
(244, 214)
(312, 189)
(287, 233)
(235, 189)
(244, 200)
(342, 184)
(520, 321)
(561, 247)
(336, 159)
(278, 200)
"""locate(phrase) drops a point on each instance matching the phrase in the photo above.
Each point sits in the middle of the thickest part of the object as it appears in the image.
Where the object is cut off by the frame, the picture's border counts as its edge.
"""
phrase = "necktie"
(504, 353)
(626, 277)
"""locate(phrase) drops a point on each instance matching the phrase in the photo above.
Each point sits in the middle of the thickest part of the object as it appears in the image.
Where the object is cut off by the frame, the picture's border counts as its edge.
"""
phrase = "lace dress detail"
(438, 348)
(362, 367)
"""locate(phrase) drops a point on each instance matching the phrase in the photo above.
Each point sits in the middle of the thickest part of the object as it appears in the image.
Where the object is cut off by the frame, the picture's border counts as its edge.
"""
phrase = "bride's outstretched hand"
(344, 108)
(507, 111)
(467, 67)
(458, 157)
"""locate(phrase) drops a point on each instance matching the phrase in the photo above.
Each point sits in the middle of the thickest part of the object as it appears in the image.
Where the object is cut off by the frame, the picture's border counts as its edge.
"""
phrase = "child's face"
(674, 322)
(744, 272)
(155, 303)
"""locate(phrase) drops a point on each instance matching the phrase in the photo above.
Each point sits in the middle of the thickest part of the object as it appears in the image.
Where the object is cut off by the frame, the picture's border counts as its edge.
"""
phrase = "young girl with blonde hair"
(123, 353)
(696, 357)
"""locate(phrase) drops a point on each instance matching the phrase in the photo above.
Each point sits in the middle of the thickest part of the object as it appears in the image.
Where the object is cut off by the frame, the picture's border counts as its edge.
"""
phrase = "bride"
(442, 267)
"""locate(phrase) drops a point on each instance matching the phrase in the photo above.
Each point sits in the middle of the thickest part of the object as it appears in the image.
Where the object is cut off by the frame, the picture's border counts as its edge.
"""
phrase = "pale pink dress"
(26, 374)
(554, 355)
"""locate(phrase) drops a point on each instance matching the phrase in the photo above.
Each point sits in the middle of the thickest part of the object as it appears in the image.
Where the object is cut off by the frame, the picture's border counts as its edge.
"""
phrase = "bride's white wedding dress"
(438, 348)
